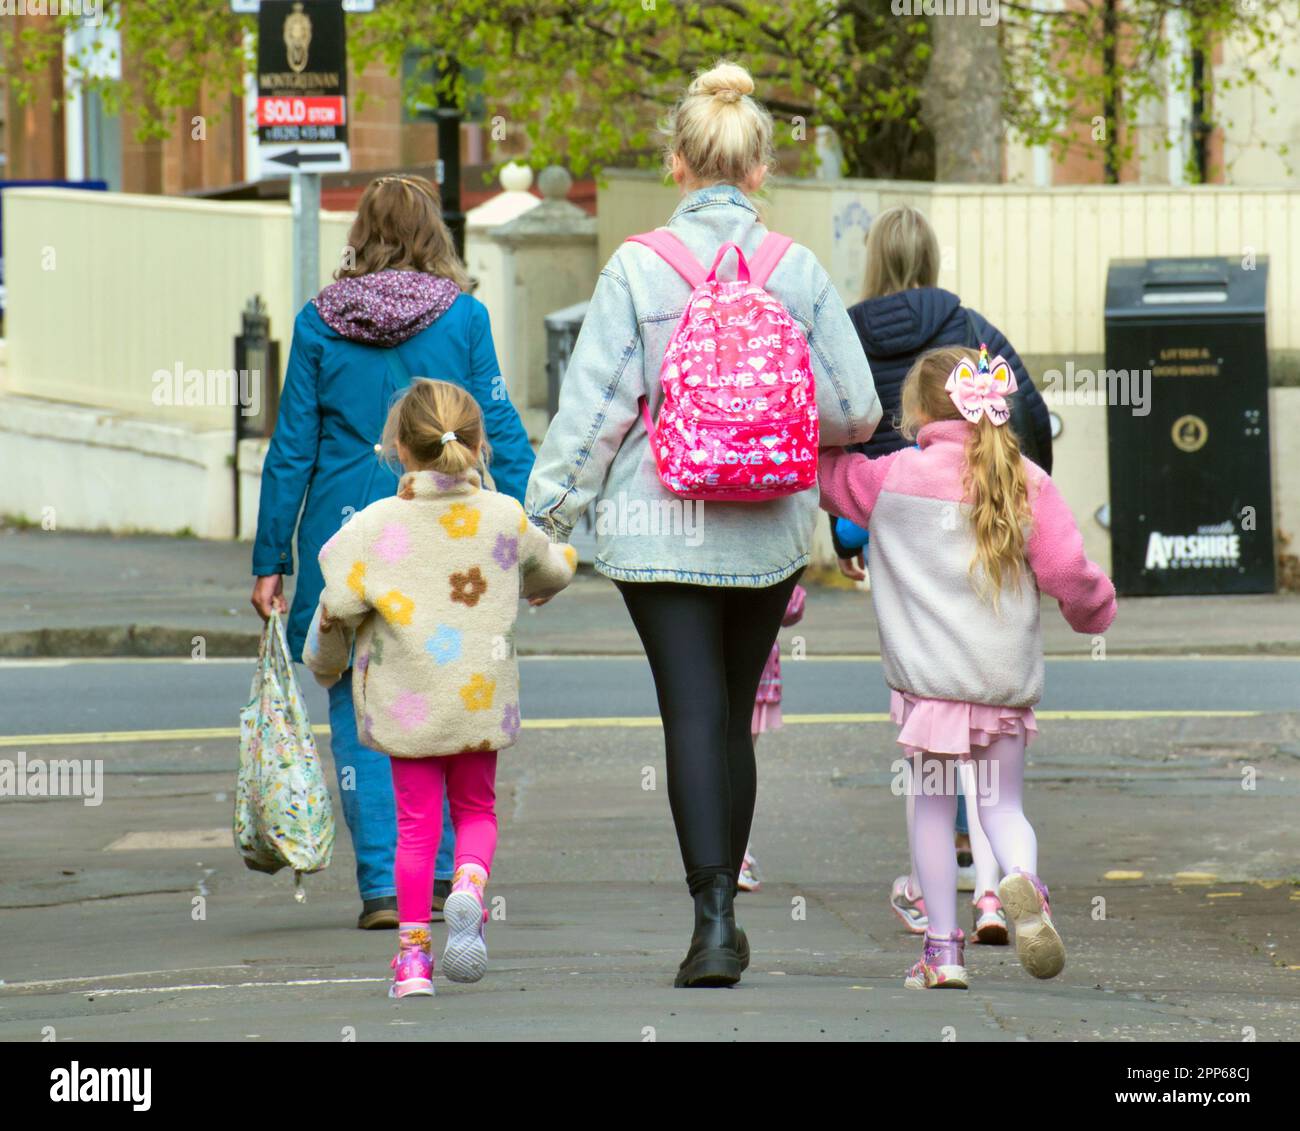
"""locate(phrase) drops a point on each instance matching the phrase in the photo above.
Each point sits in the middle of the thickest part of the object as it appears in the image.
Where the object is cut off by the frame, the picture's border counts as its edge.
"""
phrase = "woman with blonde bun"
(706, 591)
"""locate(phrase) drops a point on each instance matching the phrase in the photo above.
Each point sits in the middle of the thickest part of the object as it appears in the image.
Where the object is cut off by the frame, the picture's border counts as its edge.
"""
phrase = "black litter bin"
(562, 329)
(1191, 504)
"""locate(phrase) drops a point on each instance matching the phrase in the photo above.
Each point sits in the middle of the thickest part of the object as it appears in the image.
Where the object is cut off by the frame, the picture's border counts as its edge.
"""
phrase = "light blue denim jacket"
(597, 448)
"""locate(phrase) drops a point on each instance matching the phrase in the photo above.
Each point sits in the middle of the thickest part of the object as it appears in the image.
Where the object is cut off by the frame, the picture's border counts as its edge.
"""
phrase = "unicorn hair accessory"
(982, 390)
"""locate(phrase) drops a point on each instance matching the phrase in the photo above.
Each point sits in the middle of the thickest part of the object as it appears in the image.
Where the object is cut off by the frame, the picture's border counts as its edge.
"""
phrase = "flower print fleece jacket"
(938, 638)
(429, 583)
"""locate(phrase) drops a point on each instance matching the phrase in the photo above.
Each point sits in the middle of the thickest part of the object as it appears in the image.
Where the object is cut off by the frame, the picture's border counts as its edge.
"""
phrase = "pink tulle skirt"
(948, 726)
(767, 716)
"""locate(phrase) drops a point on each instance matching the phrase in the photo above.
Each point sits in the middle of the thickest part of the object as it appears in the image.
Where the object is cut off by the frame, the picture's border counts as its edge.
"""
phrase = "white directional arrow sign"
(329, 157)
(252, 7)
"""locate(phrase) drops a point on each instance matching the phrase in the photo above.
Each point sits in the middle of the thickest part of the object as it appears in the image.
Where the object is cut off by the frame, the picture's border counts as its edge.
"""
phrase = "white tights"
(987, 873)
(998, 791)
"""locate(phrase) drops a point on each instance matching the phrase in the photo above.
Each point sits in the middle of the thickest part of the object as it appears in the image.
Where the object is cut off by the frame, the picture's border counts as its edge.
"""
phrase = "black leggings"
(707, 646)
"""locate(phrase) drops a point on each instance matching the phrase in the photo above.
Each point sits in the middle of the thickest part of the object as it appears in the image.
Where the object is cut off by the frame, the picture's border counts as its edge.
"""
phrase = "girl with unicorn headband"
(965, 534)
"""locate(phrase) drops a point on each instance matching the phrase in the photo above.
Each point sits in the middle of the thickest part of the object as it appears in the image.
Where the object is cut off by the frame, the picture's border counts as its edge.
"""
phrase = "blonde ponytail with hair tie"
(441, 427)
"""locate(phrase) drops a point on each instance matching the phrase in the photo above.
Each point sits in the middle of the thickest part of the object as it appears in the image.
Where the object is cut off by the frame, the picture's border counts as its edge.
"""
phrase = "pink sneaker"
(464, 959)
(942, 965)
(909, 908)
(413, 965)
(990, 920)
(1038, 945)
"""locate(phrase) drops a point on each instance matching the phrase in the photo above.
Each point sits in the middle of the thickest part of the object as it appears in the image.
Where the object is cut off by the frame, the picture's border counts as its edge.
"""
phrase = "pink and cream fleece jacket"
(938, 638)
(428, 583)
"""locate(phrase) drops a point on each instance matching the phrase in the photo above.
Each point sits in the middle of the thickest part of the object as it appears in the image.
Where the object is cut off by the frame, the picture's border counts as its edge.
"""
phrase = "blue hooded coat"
(340, 384)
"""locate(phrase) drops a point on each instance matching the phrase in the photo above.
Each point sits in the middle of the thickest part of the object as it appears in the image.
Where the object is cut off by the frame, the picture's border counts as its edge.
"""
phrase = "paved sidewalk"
(68, 594)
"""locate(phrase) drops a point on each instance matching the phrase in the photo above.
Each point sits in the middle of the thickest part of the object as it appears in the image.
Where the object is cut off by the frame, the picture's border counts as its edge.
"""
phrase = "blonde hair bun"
(722, 134)
(729, 82)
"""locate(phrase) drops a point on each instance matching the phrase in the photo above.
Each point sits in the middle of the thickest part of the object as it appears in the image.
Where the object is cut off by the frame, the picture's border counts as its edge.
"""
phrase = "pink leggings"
(417, 787)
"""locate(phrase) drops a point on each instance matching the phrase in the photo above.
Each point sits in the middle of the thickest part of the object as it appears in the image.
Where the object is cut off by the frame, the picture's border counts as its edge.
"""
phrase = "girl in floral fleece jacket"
(965, 535)
(425, 587)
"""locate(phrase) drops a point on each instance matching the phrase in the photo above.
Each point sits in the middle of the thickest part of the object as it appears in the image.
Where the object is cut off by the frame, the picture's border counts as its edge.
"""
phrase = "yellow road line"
(192, 734)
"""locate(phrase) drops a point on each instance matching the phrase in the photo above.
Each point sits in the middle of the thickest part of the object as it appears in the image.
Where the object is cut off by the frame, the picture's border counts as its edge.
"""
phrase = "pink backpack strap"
(767, 257)
(673, 252)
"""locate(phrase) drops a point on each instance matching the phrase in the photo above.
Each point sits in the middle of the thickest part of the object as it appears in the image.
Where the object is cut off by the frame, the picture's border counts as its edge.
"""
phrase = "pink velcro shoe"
(413, 965)
(1038, 944)
(465, 957)
(942, 965)
(990, 920)
(908, 907)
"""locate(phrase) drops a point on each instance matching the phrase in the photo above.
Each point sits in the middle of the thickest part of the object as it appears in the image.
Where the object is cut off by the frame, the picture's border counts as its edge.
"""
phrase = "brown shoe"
(378, 914)
(441, 889)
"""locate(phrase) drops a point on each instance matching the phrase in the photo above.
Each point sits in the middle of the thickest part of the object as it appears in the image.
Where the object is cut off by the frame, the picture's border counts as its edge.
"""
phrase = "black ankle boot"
(713, 959)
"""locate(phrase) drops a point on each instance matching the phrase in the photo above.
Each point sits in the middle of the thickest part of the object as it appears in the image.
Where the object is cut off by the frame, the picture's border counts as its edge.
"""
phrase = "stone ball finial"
(555, 182)
(515, 177)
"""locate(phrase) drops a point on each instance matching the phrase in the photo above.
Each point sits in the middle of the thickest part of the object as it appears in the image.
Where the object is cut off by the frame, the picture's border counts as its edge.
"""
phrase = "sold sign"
(302, 118)
(315, 111)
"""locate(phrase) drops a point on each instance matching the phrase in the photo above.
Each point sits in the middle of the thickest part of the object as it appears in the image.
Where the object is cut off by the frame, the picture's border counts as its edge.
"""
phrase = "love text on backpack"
(738, 421)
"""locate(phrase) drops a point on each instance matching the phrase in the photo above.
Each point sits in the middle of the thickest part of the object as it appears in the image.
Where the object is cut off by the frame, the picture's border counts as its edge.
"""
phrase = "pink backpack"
(739, 415)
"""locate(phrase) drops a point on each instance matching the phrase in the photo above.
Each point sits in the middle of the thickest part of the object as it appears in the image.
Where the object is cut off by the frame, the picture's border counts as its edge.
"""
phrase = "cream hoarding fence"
(1032, 260)
(107, 291)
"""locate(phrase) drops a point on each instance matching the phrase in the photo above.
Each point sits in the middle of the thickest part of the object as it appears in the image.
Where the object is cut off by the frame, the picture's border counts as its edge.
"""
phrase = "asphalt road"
(1168, 836)
(110, 695)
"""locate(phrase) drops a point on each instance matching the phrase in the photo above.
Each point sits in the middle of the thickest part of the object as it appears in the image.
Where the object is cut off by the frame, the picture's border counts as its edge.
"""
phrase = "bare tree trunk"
(962, 99)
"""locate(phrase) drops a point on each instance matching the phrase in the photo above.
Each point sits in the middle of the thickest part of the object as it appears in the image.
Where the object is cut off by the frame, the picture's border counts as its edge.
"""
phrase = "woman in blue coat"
(399, 310)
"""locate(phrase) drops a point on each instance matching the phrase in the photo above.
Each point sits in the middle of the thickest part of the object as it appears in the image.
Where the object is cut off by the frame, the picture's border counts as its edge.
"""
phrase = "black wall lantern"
(257, 361)
(257, 366)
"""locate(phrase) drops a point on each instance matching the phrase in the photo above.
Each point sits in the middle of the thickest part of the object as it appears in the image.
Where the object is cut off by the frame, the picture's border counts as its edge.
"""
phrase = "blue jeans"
(368, 808)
